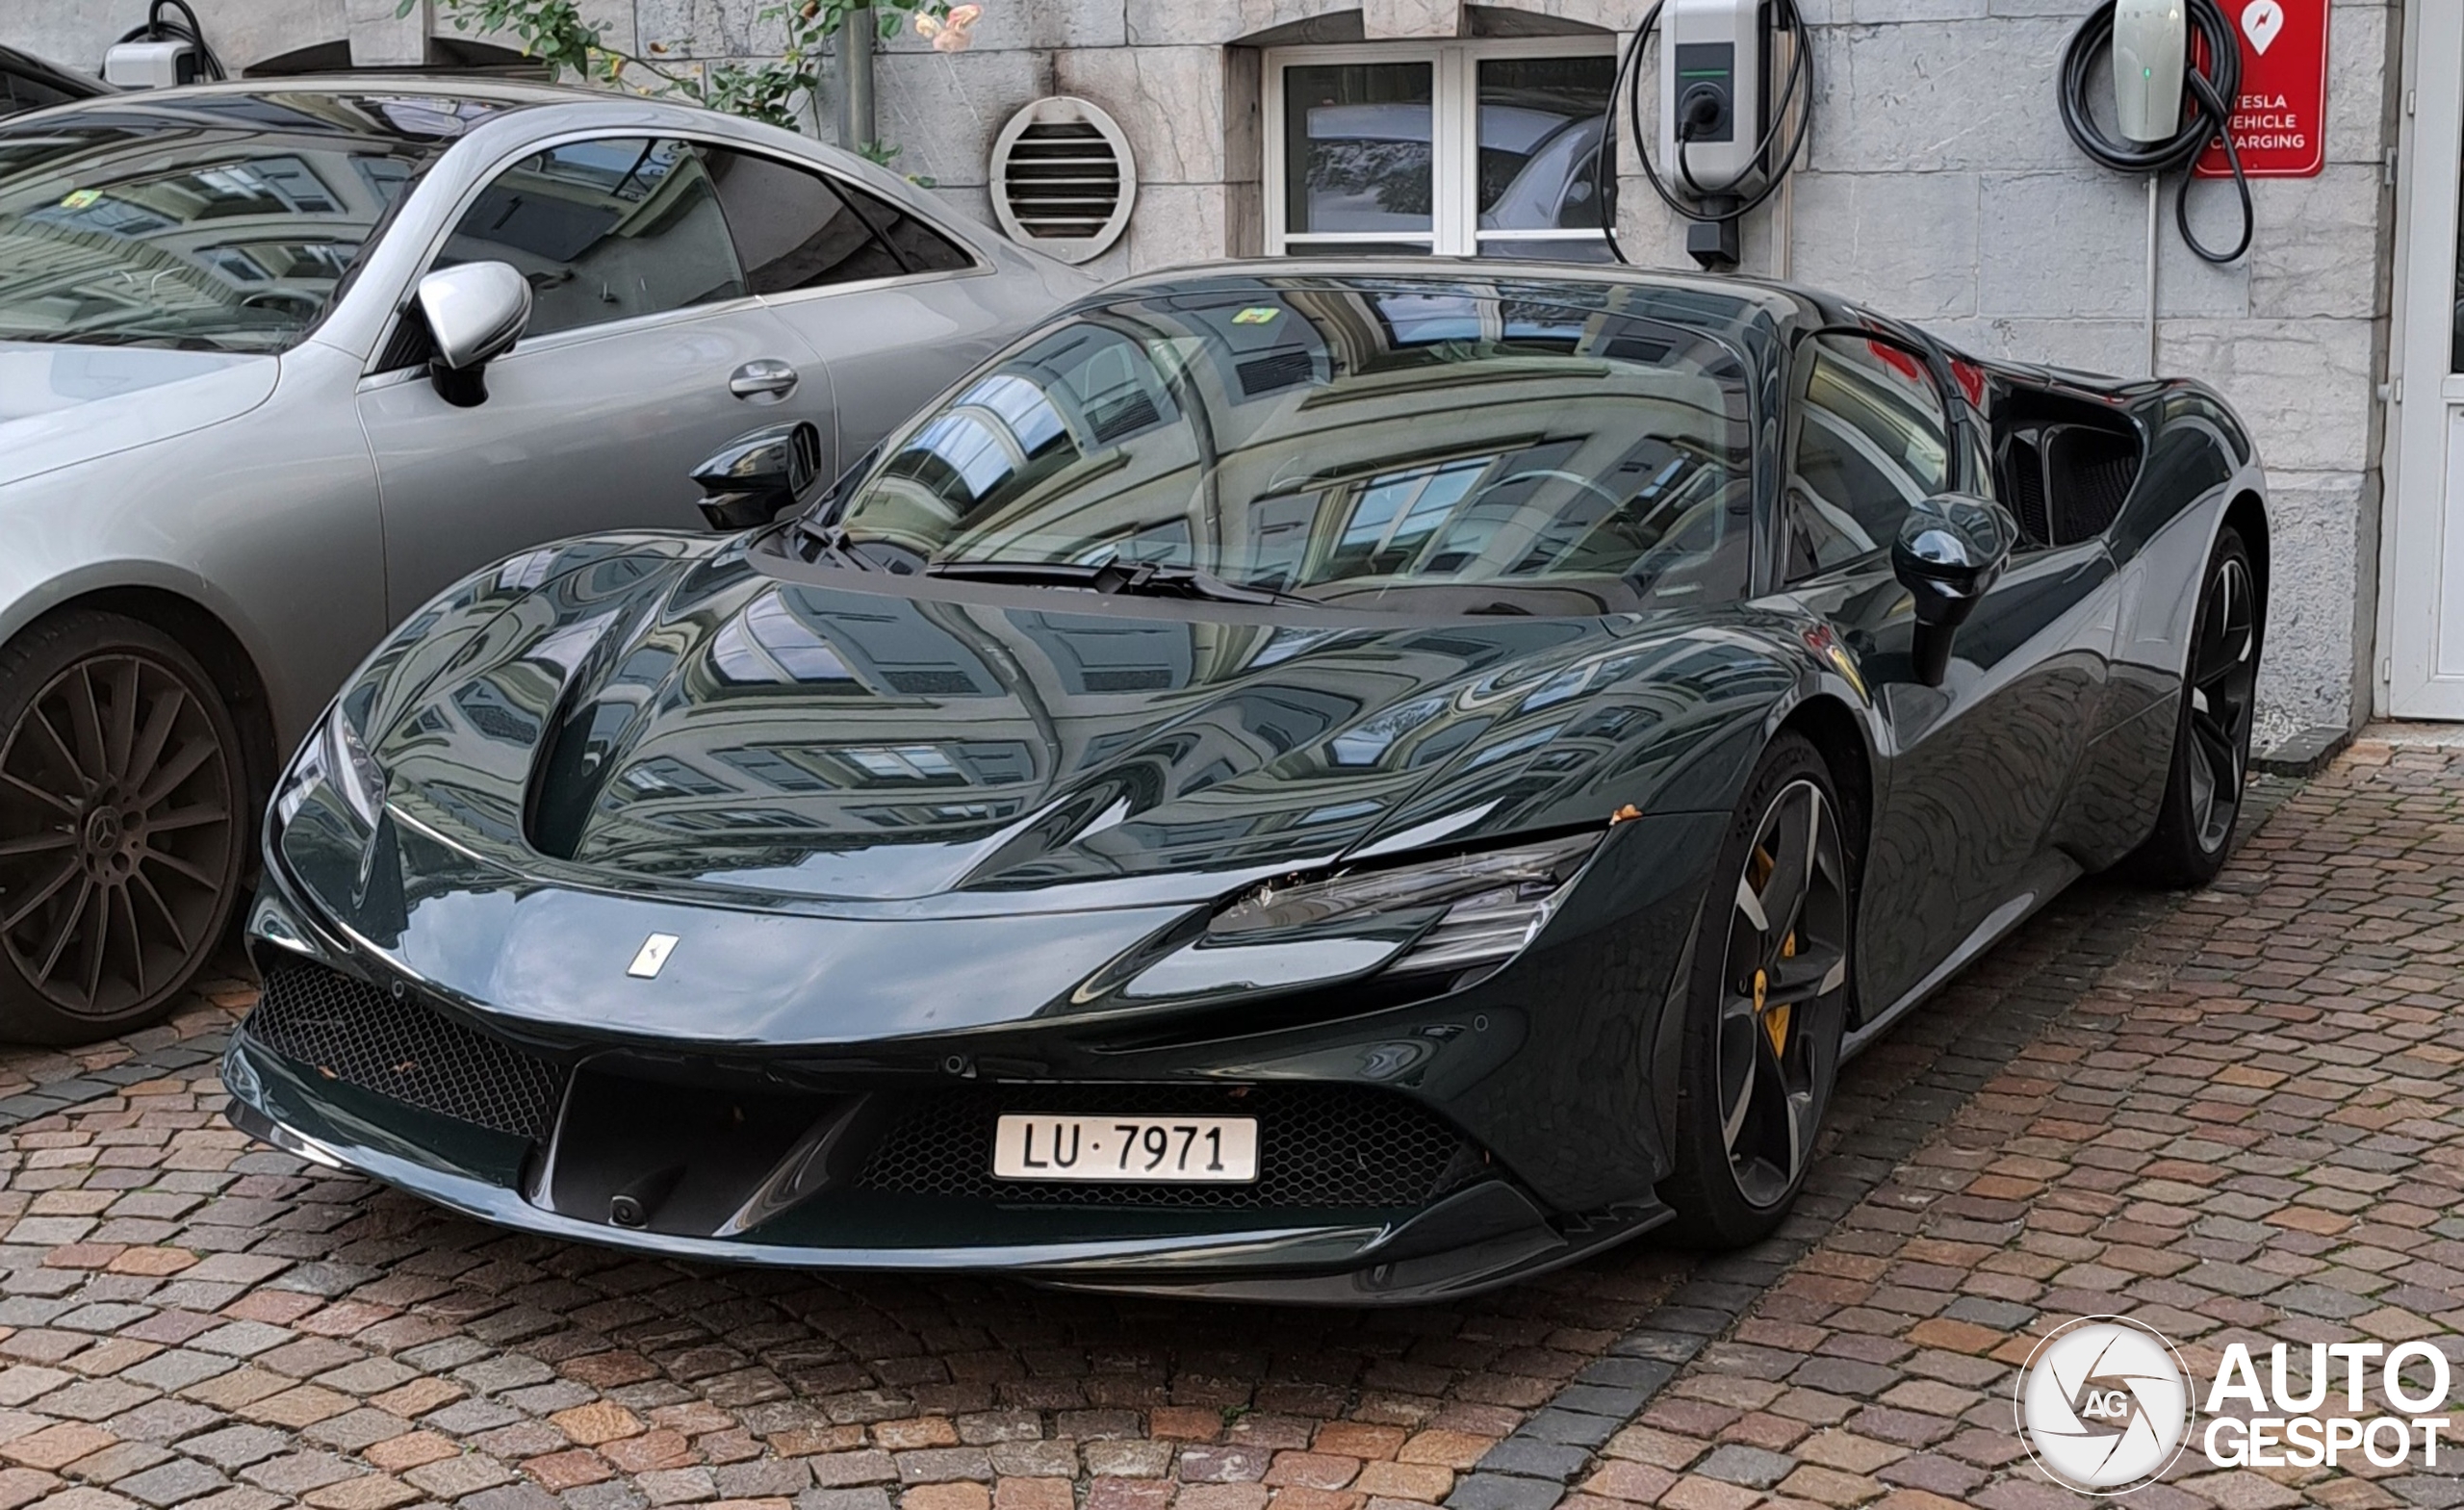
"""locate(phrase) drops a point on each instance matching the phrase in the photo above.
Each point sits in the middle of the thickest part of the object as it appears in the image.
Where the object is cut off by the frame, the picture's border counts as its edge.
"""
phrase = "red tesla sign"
(2280, 122)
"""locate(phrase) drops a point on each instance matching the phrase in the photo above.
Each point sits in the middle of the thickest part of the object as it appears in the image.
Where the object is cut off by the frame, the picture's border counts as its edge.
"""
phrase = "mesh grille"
(349, 1031)
(1319, 1146)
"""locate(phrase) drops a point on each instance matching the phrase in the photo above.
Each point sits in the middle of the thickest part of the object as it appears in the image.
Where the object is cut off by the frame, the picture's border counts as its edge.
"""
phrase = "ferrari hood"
(62, 405)
(701, 723)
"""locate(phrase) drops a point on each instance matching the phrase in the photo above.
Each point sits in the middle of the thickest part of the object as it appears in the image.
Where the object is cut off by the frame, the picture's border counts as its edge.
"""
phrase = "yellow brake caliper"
(1774, 1020)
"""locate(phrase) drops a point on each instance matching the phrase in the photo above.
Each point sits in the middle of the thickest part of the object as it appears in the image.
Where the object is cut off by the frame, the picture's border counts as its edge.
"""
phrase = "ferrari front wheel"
(1767, 1005)
(2203, 800)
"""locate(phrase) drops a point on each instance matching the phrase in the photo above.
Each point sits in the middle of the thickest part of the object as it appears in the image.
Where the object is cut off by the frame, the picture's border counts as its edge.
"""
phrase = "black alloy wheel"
(1769, 1005)
(2211, 760)
(122, 827)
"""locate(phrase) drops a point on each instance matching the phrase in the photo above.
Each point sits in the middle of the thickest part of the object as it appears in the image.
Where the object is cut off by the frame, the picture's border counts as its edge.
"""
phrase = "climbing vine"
(775, 89)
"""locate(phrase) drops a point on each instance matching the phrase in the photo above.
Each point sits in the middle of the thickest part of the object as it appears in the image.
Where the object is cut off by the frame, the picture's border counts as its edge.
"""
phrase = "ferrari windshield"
(1431, 447)
(223, 222)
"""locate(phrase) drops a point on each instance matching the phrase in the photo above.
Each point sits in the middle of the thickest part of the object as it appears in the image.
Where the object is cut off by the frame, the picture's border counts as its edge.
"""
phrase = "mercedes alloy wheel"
(120, 825)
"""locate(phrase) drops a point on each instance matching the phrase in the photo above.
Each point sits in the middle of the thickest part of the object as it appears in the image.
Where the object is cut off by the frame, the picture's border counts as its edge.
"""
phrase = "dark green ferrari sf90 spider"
(1342, 781)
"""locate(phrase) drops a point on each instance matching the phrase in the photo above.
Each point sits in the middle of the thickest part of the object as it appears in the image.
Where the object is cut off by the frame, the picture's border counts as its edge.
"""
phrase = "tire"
(1767, 1004)
(2202, 802)
(122, 826)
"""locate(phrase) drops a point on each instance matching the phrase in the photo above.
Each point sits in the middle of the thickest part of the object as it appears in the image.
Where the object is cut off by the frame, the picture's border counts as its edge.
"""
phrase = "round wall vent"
(1062, 181)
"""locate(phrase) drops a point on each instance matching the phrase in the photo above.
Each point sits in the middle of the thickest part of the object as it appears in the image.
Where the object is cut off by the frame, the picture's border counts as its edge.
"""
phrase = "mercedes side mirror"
(758, 474)
(1950, 552)
(474, 313)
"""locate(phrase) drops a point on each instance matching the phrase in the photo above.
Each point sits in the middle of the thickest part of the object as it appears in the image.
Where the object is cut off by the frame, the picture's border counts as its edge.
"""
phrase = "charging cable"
(157, 29)
(1707, 204)
(2211, 118)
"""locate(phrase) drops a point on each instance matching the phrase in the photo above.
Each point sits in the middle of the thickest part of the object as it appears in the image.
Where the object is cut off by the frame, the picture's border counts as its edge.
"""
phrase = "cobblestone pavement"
(2236, 1113)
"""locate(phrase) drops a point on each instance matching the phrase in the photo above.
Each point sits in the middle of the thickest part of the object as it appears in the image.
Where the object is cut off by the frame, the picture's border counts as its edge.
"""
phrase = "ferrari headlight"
(1485, 906)
(335, 759)
(1452, 915)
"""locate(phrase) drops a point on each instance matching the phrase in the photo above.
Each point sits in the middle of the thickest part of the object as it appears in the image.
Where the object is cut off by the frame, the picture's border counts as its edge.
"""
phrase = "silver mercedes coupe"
(279, 361)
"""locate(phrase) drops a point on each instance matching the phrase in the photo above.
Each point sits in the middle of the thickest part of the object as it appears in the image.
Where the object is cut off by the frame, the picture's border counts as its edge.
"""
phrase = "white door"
(2425, 551)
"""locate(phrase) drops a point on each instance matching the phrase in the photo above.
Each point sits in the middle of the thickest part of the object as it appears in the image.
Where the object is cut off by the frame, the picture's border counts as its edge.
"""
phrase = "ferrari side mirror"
(758, 474)
(1950, 552)
(476, 310)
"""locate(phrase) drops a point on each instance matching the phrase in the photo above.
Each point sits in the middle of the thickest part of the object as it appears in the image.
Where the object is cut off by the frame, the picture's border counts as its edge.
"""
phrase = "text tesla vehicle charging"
(2137, 55)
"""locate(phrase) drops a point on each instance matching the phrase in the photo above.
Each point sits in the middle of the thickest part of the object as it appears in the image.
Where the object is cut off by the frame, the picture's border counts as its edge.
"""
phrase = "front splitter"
(1350, 1265)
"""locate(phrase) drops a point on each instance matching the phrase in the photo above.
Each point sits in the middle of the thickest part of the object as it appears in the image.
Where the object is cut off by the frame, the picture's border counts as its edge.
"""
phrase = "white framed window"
(1481, 148)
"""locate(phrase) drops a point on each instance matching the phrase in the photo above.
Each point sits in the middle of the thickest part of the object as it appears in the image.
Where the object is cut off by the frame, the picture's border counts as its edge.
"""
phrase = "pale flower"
(951, 33)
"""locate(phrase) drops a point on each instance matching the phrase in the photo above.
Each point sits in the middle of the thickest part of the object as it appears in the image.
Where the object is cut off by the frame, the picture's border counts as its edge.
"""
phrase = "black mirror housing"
(758, 474)
(1950, 552)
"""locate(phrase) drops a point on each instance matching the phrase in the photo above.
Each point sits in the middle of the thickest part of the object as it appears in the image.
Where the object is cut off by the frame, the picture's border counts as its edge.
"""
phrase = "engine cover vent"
(1062, 179)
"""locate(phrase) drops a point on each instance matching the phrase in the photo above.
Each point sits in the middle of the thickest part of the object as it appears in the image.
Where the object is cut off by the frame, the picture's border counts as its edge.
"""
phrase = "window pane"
(2456, 352)
(1356, 146)
(1547, 248)
(186, 235)
(1540, 133)
(919, 246)
(1872, 440)
(604, 230)
(792, 229)
(20, 92)
(1297, 246)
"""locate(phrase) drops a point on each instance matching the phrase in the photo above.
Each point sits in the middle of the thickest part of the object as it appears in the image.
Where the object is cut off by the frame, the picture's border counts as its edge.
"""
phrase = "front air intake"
(346, 1030)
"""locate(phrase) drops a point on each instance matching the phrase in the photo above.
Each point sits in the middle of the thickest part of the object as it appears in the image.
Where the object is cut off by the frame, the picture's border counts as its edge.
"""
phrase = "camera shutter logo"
(2104, 1405)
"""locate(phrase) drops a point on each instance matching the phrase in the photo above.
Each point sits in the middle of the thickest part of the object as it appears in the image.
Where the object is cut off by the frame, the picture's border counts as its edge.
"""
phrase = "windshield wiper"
(831, 540)
(1128, 579)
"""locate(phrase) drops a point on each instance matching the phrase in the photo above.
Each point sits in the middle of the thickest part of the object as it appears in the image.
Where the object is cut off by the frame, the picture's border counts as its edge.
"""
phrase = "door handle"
(763, 380)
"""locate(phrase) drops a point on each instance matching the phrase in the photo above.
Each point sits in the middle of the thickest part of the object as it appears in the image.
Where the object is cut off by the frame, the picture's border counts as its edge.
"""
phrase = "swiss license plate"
(1177, 1150)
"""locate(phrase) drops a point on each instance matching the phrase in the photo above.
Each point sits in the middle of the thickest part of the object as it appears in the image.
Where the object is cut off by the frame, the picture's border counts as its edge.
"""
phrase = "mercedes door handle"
(766, 380)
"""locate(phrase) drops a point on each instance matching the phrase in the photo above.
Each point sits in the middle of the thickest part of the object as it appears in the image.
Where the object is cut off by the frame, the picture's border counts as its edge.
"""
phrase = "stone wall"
(1939, 185)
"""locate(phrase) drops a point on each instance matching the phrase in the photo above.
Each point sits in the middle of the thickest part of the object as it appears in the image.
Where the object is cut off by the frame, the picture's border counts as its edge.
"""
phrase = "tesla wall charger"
(2151, 48)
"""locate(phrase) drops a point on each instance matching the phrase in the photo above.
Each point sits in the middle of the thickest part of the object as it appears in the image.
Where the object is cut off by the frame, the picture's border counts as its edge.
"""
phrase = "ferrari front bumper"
(1482, 1235)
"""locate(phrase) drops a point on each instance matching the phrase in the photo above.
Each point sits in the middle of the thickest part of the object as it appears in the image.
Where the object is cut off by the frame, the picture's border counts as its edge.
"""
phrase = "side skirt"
(2054, 871)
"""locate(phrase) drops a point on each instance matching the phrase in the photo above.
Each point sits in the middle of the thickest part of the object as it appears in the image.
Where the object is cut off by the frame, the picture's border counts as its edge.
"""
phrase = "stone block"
(1160, 23)
(690, 29)
(2360, 56)
(1384, 20)
(2072, 243)
(2304, 387)
(2314, 523)
(2319, 249)
(1043, 24)
(2114, 348)
(1975, 94)
(1906, 11)
(1174, 106)
(382, 37)
(942, 110)
(1904, 242)
(1176, 223)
